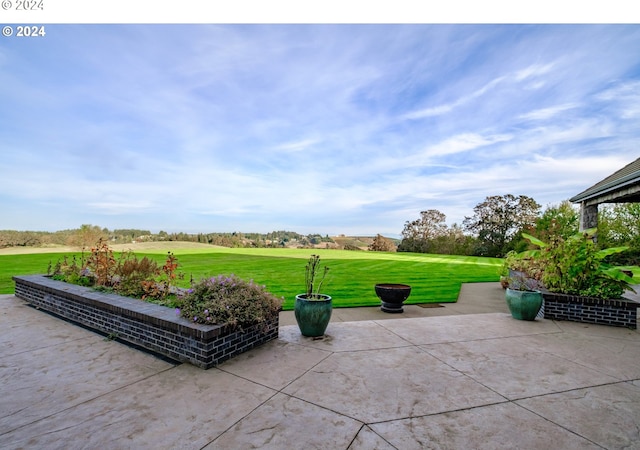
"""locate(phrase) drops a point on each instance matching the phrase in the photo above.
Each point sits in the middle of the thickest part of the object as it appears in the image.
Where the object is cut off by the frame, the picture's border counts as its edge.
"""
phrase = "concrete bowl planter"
(156, 328)
(392, 296)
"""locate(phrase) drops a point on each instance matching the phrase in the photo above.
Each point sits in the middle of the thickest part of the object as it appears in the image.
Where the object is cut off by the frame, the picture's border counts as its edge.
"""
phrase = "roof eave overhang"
(609, 188)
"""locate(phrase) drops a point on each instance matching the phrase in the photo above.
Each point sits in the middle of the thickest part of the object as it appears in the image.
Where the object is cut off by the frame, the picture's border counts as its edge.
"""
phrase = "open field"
(352, 275)
(138, 247)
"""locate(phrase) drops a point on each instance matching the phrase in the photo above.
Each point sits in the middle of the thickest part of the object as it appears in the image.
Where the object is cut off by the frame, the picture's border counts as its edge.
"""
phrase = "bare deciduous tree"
(382, 244)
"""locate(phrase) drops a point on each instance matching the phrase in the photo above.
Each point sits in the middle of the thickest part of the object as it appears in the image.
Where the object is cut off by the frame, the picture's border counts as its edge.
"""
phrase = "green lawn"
(434, 278)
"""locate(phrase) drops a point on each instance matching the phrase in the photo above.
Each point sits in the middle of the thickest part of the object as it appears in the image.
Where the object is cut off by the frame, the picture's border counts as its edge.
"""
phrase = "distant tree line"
(87, 236)
(274, 239)
(498, 222)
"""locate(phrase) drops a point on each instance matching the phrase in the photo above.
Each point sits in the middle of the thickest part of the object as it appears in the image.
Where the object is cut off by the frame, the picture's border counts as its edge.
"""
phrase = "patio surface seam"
(461, 376)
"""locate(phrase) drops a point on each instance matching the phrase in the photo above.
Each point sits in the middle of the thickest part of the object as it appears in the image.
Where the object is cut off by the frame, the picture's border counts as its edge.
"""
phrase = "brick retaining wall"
(154, 327)
(620, 312)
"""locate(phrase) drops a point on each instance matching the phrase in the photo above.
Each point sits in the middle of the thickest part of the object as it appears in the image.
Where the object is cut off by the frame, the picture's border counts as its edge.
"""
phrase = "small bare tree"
(381, 244)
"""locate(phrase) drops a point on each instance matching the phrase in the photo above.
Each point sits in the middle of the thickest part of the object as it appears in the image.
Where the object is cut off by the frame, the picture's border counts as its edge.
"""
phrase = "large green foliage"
(575, 265)
(558, 220)
(619, 225)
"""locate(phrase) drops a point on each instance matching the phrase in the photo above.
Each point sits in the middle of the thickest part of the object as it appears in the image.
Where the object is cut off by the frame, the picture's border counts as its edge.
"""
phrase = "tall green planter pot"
(524, 305)
(313, 315)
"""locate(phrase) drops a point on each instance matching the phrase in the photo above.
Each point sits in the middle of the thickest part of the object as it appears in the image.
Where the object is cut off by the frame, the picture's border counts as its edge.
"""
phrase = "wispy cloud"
(297, 146)
(547, 113)
(463, 143)
(534, 70)
(444, 109)
(625, 97)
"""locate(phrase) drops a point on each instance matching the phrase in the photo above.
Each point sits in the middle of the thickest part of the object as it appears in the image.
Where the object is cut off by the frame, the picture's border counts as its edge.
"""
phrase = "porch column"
(588, 216)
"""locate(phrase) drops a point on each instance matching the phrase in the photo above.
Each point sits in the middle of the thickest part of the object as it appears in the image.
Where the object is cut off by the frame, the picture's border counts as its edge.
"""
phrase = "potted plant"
(518, 266)
(313, 309)
(512, 261)
(576, 266)
(523, 296)
(580, 284)
(520, 277)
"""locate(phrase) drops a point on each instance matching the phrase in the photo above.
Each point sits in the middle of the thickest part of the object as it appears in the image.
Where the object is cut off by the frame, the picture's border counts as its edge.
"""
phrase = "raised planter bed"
(620, 312)
(153, 327)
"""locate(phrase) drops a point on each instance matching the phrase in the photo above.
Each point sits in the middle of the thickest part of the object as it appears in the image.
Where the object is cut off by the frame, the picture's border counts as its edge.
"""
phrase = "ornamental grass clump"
(228, 300)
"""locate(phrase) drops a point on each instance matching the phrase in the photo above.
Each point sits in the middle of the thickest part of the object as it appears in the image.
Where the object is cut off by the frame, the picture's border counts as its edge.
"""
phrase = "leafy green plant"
(228, 300)
(111, 337)
(575, 266)
(314, 277)
(71, 272)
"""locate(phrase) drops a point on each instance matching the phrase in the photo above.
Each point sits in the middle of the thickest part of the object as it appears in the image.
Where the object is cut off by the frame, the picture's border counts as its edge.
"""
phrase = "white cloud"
(429, 112)
(297, 146)
(115, 208)
(447, 108)
(527, 74)
(463, 143)
(625, 98)
(547, 113)
(535, 70)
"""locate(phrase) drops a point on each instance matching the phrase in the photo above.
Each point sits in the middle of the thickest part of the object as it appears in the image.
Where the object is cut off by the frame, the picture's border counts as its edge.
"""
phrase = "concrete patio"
(465, 375)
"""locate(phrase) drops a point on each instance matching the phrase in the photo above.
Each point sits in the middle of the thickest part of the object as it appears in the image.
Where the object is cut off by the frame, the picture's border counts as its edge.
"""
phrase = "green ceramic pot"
(313, 315)
(524, 305)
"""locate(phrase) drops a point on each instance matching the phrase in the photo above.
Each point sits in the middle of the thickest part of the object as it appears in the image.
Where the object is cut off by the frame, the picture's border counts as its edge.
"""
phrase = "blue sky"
(326, 129)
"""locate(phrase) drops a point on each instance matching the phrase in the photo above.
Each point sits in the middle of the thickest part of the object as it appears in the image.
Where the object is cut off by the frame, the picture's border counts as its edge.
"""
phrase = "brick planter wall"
(154, 327)
(620, 312)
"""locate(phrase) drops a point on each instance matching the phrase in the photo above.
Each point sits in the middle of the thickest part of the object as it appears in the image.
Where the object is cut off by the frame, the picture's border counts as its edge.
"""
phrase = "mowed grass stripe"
(352, 275)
